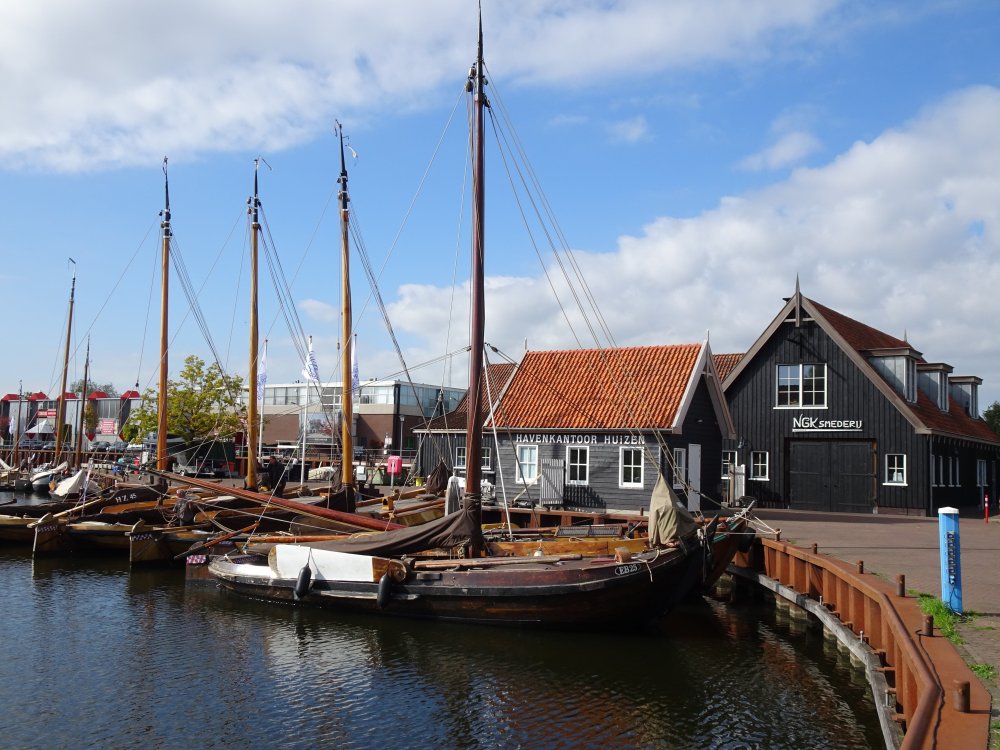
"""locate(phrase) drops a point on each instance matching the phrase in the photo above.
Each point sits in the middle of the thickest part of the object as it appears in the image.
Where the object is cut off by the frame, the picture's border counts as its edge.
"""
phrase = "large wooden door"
(831, 475)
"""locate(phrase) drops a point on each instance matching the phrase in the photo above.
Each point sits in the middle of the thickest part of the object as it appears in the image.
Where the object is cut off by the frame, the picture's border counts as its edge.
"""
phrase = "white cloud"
(900, 233)
(106, 84)
(790, 149)
(322, 312)
(632, 130)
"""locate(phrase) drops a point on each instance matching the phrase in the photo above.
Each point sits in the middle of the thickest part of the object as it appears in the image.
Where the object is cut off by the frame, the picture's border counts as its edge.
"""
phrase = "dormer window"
(932, 379)
(899, 368)
(965, 390)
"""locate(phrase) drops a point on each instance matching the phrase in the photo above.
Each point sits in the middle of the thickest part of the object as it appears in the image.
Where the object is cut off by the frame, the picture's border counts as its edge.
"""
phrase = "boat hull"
(593, 592)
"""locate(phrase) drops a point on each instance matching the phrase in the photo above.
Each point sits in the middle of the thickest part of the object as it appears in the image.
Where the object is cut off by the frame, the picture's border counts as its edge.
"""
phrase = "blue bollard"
(951, 559)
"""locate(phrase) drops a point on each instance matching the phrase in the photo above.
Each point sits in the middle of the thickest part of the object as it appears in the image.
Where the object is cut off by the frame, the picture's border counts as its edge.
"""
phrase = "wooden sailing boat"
(336, 518)
(42, 478)
(438, 570)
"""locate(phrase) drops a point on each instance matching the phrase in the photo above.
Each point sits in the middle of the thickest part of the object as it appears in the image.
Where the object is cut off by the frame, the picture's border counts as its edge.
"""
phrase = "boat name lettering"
(803, 423)
(624, 570)
(581, 439)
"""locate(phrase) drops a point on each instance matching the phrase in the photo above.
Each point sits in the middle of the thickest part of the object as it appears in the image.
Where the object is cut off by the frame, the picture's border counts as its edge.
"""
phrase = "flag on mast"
(262, 374)
(311, 371)
(355, 383)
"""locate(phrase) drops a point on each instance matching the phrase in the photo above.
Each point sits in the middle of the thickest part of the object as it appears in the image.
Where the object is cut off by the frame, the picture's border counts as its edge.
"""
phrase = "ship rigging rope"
(374, 278)
(111, 294)
(574, 279)
(149, 305)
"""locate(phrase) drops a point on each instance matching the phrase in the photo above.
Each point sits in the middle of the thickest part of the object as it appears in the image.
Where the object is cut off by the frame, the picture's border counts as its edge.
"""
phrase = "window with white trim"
(801, 386)
(980, 472)
(527, 463)
(680, 467)
(630, 467)
(895, 468)
(728, 462)
(759, 465)
(487, 457)
(577, 464)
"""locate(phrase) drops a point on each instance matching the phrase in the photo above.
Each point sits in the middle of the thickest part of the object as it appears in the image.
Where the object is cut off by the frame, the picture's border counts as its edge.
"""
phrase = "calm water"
(97, 656)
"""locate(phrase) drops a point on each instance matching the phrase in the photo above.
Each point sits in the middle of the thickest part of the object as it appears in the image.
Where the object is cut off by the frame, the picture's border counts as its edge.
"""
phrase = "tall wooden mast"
(83, 407)
(474, 426)
(61, 410)
(346, 388)
(161, 408)
(251, 441)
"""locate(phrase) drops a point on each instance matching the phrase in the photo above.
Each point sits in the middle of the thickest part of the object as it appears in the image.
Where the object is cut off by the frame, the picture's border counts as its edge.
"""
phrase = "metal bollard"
(900, 585)
(960, 696)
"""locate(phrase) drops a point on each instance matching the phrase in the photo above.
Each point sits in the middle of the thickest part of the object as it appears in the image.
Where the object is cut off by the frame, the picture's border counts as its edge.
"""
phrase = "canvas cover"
(453, 496)
(668, 518)
(448, 531)
(42, 427)
(438, 479)
(74, 485)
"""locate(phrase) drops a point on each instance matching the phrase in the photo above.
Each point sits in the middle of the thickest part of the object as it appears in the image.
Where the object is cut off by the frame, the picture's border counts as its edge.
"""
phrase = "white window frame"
(895, 469)
(632, 450)
(570, 449)
(980, 472)
(766, 463)
(728, 461)
(519, 474)
(461, 457)
(680, 467)
(797, 376)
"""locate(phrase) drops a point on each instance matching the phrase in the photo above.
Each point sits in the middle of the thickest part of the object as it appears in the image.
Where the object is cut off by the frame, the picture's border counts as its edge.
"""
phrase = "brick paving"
(891, 544)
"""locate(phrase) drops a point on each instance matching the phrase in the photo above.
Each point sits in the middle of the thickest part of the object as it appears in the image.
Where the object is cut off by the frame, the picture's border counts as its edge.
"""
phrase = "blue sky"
(698, 155)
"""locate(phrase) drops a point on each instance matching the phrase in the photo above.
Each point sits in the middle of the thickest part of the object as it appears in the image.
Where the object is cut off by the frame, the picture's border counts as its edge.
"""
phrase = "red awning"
(38, 397)
(11, 397)
(97, 394)
(131, 394)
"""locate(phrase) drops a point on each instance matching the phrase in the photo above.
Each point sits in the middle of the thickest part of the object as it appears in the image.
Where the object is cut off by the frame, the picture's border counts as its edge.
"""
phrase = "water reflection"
(170, 663)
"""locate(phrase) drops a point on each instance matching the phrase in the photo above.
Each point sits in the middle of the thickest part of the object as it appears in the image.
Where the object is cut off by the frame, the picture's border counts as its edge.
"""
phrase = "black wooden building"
(832, 414)
(591, 429)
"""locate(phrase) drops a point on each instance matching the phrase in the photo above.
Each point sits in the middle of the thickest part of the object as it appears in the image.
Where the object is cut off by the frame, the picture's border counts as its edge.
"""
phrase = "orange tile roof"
(724, 363)
(629, 388)
(496, 377)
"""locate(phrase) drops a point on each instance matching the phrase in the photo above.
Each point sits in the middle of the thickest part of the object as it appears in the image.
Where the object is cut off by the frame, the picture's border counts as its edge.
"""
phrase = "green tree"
(89, 418)
(203, 404)
(108, 388)
(992, 416)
